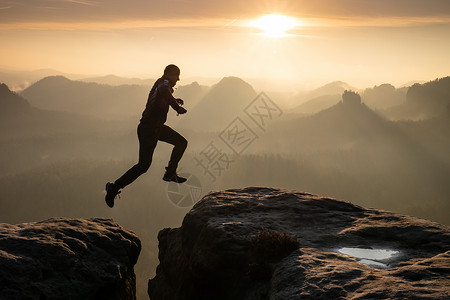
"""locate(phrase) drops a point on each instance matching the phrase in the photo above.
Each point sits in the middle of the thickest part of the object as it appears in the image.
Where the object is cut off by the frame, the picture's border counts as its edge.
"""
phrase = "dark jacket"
(159, 99)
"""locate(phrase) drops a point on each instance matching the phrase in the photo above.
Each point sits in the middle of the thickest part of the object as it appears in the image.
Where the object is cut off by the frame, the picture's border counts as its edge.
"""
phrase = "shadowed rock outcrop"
(68, 259)
(218, 252)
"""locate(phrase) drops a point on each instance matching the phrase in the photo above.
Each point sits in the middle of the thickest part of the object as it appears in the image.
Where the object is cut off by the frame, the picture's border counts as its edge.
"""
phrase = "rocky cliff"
(264, 243)
(68, 259)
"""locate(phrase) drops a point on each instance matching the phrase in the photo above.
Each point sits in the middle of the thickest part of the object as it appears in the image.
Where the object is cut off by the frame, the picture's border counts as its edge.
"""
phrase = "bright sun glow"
(274, 25)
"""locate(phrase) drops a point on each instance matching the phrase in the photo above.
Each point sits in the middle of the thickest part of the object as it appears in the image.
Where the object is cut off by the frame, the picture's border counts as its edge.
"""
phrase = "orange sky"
(362, 42)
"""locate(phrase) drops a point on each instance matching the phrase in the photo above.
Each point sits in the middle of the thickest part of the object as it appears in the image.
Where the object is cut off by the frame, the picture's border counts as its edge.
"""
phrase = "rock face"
(68, 259)
(221, 251)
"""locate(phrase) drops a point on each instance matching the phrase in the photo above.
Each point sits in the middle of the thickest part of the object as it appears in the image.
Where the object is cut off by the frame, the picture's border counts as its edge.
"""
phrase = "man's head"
(172, 73)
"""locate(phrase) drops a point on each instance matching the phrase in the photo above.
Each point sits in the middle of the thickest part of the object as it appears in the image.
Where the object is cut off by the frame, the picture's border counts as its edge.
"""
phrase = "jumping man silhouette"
(152, 129)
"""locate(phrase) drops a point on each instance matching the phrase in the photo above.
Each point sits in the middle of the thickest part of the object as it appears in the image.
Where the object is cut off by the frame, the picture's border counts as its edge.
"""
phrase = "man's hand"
(181, 110)
(179, 101)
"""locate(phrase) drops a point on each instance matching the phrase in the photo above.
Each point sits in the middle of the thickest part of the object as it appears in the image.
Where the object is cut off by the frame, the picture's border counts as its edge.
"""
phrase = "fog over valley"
(61, 139)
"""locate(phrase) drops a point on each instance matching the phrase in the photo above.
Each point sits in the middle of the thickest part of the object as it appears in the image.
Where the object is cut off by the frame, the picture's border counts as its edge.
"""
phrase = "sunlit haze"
(274, 25)
(360, 42)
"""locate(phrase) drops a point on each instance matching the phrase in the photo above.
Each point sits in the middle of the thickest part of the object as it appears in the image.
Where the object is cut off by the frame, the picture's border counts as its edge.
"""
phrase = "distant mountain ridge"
(125, 101)
(335, 87)
(210, 107)
(30, 136)
(220, 105)
(18, 80)
(317, 104)
(384, 96)
(117, 80)
(434, 94)
(423, 101)
(339, 126)
(100, 101)
(191, 93)
(417, 102)
(320, 98)
(21, 120)
(10, 101)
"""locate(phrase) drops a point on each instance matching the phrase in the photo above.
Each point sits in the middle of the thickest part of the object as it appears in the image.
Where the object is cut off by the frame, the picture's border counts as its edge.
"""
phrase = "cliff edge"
(68, 259)
(266, 243)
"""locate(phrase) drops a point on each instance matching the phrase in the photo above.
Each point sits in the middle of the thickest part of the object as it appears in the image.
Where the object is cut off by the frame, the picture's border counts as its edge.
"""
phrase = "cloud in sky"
(116, 14)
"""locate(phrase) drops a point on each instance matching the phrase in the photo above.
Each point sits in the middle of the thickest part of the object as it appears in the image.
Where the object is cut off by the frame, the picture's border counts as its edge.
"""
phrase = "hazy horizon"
(20, 82)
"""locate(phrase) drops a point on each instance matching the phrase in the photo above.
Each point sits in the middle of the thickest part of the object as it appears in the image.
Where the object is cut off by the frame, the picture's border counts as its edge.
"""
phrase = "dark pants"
(149, 135)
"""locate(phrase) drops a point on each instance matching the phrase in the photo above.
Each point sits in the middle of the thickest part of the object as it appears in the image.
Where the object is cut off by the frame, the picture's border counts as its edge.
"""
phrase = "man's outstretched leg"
(148, 138)
(172, 137)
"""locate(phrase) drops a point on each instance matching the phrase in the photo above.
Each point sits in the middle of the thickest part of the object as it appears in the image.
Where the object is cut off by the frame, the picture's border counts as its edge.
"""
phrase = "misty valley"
(62, 140)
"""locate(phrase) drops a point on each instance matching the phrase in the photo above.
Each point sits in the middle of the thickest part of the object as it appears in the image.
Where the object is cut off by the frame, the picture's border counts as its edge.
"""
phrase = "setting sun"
(274, 25)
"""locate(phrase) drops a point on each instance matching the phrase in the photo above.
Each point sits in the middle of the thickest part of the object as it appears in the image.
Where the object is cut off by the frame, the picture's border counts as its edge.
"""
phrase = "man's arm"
(167, 94)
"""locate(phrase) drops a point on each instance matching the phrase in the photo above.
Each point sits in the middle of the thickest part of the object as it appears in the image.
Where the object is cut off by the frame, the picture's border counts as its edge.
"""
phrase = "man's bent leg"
(148, 138)
(172, 137)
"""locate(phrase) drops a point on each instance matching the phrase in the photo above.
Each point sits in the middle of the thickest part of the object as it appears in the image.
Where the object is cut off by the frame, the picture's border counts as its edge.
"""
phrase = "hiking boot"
(173, 177)
(111, 192)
